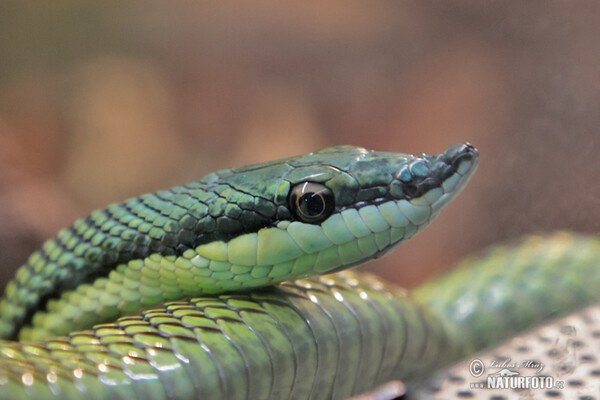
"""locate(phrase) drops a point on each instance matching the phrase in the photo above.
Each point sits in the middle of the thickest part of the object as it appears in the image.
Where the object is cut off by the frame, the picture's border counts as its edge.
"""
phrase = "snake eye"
(311, 202)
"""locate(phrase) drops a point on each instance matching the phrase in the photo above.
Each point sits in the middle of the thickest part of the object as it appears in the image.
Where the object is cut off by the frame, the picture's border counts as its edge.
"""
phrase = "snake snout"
(466, 153)
(461, 158)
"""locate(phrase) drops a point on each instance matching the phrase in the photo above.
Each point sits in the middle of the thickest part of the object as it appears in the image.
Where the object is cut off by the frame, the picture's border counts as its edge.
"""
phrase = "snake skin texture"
(192, 270)
(324, 337)
(234, 230)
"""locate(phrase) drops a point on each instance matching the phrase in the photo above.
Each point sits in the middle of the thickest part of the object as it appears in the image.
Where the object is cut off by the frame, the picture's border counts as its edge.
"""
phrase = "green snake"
(170, 295)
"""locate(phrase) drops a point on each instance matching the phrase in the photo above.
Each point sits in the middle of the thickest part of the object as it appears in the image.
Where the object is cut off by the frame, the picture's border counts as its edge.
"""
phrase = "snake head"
(338, 207)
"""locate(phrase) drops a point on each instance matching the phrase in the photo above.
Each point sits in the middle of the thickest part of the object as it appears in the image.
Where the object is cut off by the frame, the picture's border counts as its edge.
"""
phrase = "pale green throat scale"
(179, 295)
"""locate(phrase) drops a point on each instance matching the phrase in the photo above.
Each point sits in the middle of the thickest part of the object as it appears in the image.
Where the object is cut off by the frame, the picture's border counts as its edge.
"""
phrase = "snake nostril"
(467, 150)
(467, 153)
(458, 153)
(411, 190)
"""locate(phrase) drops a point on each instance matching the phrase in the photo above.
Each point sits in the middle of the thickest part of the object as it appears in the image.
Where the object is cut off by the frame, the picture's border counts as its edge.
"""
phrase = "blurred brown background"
(100, 101)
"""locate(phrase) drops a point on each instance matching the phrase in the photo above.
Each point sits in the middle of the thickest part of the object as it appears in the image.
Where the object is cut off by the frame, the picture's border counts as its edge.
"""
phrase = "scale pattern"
(324, 337)
(167, 223)
(328, 337)
(288, 250)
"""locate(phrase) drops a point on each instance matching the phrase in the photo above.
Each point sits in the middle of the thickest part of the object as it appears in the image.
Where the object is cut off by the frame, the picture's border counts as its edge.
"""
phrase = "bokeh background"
(100, 101)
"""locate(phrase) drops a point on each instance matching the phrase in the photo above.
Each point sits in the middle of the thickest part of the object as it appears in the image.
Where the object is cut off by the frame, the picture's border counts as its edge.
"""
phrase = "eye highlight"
(311, 202)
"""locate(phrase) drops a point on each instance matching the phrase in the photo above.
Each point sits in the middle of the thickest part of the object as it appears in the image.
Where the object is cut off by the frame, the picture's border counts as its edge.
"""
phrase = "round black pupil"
(312, 203)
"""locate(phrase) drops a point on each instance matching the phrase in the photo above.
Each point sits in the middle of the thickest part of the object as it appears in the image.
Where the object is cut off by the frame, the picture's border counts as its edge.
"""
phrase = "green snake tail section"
(325, 337)
(512, 288)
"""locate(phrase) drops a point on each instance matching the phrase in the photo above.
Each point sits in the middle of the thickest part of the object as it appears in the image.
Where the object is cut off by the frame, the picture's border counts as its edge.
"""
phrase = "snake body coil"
(256, 226)
(316, 338)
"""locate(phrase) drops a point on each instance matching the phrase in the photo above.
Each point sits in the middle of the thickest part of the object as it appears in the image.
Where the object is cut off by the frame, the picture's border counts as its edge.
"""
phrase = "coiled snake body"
(189, 255)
